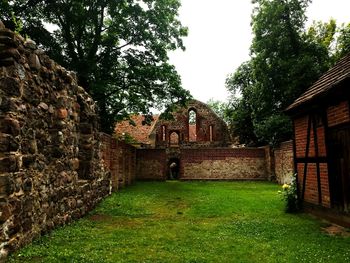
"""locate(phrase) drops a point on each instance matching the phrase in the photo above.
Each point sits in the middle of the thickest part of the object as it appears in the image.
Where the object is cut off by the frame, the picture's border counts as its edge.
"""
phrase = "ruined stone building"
(192, 126)
(197, 141)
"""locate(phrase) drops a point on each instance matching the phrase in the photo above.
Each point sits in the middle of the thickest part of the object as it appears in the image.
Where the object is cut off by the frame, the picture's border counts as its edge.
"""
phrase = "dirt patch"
(99, 217)
(335, 230)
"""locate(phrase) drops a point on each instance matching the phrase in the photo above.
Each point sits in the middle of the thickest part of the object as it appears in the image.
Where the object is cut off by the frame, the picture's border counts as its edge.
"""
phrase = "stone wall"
(284, 162)
(51, 169)
(223, 164)
(120, 159)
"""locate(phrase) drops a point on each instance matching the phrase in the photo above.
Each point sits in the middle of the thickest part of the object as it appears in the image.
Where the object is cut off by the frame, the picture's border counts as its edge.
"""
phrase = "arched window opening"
(163, 133)
(211, 133)
(174, 139)
(192, 125)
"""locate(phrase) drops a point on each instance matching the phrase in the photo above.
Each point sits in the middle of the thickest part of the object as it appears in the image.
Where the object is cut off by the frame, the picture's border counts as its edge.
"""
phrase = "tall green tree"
(284, 62)
(118, 48)
(239, 111)
(343, 41)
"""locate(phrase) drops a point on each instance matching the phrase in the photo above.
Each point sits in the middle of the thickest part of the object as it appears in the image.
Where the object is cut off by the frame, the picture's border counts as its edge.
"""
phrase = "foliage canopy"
(285, 60)
(118, 48)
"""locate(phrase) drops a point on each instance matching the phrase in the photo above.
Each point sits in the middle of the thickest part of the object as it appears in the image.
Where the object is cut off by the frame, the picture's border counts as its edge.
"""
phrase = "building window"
(163, 133)
(211, 133)
(174, 139)
(192, 125)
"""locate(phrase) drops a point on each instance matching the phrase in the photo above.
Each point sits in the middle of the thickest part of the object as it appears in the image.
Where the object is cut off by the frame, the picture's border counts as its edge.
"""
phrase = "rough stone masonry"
(51, 169)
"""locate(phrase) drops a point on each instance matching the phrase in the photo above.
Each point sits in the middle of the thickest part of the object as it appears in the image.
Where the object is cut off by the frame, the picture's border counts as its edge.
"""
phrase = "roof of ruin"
(328, 81)
(138, 131)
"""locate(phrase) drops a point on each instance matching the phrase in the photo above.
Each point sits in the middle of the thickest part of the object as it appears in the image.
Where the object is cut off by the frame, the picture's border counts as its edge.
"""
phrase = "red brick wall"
(301, 125)
(151, 164)
(120, 159)
(338, 114)
(223, 164)
(311, 191)
(311, 186)
(284, 162)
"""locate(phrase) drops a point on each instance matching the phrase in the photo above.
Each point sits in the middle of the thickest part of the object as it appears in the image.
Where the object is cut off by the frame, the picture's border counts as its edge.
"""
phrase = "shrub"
(290, 195)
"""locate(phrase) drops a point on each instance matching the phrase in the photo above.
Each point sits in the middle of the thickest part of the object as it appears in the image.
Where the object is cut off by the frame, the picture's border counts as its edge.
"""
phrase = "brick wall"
(284, 162)
(311, 184)
(223, 164)
(301, 126)
(151, 164)
(209, 129)
(311, 188)
(338, 114)
(120, 159)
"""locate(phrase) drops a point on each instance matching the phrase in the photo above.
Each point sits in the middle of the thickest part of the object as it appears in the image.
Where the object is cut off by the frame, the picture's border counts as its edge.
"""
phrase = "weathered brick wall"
(338, 114)
(120, 159)
(284, 162)
(210, 130)
(223, 164)
(51, 169)
(151, 164)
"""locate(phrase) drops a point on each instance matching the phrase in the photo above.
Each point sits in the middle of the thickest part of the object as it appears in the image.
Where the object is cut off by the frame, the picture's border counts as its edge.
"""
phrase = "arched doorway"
(173, 169)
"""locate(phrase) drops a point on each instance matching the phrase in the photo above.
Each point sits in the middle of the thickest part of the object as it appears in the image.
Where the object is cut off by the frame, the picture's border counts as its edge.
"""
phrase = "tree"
(323, 35)
(118, 48)
(284, 62)
(239, 111)
(343, 41)
(218, 107)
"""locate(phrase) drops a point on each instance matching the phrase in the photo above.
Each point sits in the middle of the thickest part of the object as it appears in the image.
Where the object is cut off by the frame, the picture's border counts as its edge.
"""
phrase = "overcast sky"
(220, 37)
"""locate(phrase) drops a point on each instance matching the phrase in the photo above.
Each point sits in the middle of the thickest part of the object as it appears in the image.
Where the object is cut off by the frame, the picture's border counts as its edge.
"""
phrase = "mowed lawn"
(191, 222)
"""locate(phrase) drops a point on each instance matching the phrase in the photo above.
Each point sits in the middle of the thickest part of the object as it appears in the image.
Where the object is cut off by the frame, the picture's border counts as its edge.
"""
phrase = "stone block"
(7, 143)
(7, 62)
(8, 164)
(43, 106)
(10, 86)
(28, 161)
(8, 41)
(62, 113)
(5, 212)
(6, 184)
(10, 53)
(34, 62)
(27, 185)
(10, 126)
(85, 128)
(74, 164)
(30, 44)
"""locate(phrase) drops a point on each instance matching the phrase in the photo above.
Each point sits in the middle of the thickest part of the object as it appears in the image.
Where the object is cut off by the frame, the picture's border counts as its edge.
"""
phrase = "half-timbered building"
(322, 142)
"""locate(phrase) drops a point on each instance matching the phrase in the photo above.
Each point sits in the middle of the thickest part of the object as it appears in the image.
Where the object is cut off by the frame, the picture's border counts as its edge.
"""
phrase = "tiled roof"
(139, 132)
(330, 79)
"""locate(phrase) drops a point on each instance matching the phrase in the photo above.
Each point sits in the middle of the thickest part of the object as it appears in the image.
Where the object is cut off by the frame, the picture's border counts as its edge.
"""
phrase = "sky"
(219, 40)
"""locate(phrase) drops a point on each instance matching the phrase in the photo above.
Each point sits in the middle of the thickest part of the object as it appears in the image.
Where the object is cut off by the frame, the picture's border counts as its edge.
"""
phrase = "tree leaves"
(285, 60)
(118, 49)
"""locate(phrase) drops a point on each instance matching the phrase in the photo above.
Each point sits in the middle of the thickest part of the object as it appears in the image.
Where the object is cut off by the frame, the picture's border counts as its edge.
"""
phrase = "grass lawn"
(190, 222)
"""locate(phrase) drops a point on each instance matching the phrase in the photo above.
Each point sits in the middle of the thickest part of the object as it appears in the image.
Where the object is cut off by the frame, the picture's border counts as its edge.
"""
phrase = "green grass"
(190, 222)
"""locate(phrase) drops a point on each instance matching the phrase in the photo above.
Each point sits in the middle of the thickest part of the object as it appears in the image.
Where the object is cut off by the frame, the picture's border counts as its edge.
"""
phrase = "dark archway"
(173, 169)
